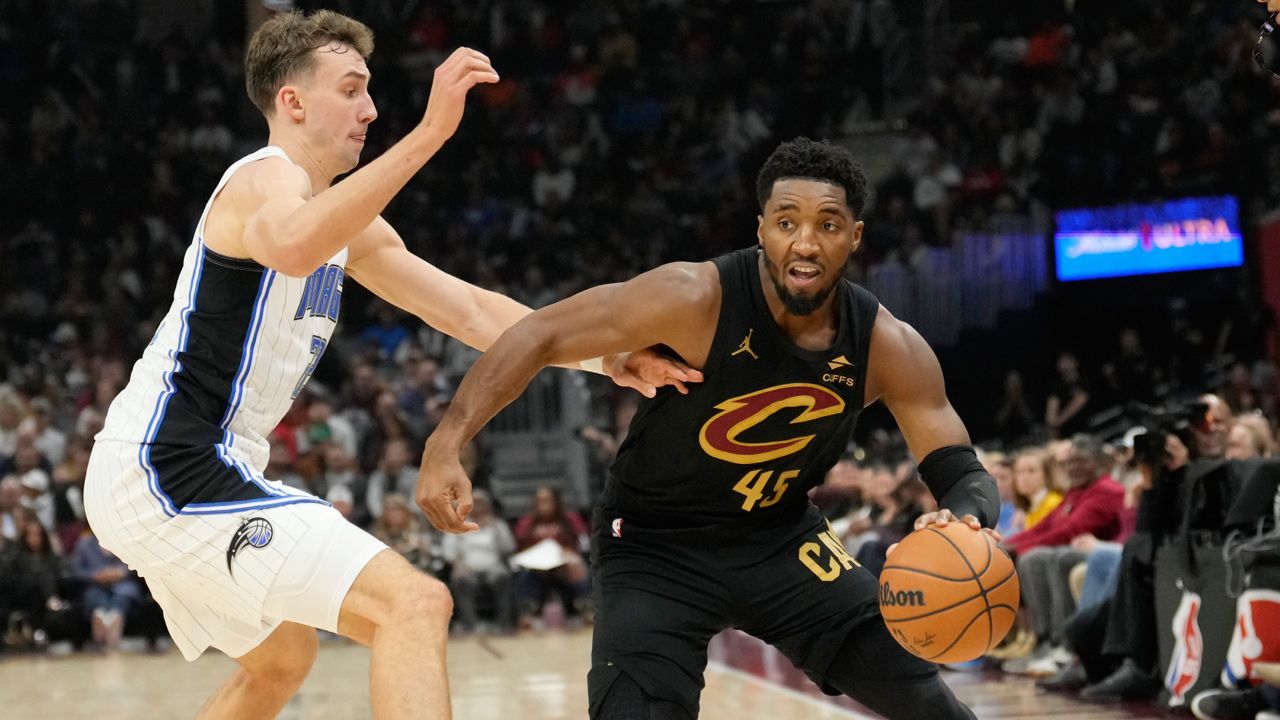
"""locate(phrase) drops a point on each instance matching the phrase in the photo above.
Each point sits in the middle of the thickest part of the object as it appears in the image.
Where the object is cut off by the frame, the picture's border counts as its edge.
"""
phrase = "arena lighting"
(1195, 233)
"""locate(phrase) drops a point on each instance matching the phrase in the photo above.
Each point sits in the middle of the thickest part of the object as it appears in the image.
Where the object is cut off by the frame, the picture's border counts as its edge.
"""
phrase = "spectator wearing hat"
(36, 496)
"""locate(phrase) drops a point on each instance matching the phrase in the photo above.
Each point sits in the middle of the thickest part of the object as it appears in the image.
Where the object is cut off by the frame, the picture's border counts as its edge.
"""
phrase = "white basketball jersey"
(236, 347)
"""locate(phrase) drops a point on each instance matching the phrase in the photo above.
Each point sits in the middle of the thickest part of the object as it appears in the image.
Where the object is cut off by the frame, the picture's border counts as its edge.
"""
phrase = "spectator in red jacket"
(1093, 505)
(550, 520)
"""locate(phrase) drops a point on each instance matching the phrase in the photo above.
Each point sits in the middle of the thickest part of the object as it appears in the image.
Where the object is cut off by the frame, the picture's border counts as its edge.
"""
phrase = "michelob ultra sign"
(1146, 238)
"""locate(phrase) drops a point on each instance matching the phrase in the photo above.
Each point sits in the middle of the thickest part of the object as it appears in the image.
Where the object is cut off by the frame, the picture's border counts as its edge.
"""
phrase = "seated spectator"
(478, 562)
(895, 519)
(10, 418)
(1093, 505)
(340, 469)
(395, 475)
(402, 531)
(112, 591)
(1011, 516)
(323, 422)
(49, 440)
(876, 485)
(1117, 644)
(550, 520)
(36, 496)
(1250, 437)
(1036, 479)
(31, 569)
(280, 467)
(68, 492)
(11, 510)
(342, 500)
(840, 494)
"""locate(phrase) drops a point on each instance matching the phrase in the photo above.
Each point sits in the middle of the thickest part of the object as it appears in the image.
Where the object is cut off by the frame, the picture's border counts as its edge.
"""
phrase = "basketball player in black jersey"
(705, 523)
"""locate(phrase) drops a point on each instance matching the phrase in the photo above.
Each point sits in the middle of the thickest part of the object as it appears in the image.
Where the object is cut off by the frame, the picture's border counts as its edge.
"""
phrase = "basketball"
(949, 594)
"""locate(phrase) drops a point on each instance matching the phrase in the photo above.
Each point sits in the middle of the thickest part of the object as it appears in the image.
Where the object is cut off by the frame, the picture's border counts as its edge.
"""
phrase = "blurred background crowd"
(624, 135)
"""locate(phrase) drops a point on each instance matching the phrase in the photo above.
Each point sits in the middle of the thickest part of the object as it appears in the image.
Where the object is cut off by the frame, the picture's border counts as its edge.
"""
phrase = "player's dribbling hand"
(645, 371)
(941, 518)
(1272, 5)
(444, 492)
(460, 72)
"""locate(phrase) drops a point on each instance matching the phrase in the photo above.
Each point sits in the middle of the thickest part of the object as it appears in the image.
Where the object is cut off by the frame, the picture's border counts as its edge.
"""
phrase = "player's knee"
(422, 599)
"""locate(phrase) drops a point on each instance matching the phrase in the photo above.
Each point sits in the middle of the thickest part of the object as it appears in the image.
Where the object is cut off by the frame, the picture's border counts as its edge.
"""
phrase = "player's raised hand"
(463, 70)
(942, 518)
(444, 492)
(645, 371)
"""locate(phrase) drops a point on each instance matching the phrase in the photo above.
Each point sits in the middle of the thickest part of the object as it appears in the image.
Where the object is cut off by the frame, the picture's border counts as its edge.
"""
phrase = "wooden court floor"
(533, 677)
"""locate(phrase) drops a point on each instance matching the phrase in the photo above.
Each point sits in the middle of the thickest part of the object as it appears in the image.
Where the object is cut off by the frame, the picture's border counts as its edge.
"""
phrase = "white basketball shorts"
(226, 574)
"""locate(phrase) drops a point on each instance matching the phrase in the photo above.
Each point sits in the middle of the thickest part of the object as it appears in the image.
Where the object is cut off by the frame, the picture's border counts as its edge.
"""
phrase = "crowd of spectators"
(623, 135)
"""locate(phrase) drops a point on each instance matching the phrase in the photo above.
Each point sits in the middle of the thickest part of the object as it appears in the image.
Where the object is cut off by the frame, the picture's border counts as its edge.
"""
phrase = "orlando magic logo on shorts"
(254, 532)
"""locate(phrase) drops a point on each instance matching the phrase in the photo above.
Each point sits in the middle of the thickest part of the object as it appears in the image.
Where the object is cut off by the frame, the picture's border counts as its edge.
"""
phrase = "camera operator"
(1116, 641)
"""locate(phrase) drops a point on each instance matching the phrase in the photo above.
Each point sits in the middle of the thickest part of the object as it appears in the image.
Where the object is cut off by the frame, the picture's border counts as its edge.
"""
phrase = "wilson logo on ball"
(907, 598)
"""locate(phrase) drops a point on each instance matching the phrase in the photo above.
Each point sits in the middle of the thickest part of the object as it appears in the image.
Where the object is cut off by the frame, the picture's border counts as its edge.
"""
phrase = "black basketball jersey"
(769, 420)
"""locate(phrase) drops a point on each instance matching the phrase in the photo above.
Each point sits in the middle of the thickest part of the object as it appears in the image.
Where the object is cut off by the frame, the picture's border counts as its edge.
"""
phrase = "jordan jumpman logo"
(745, 347)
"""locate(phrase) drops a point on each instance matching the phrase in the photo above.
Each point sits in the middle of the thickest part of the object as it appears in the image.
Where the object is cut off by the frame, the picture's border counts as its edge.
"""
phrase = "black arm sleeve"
(961, 484)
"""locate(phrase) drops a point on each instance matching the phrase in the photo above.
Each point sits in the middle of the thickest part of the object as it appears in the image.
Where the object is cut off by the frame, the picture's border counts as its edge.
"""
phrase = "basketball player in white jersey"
(175, 485)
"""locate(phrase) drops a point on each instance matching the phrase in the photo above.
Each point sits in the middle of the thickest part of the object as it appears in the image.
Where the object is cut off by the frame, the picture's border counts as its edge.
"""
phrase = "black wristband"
(961, 484)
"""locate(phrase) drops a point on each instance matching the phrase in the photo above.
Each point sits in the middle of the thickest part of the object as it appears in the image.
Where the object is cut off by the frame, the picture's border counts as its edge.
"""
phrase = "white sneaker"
(1018, 666)
(1061, 655)
(1267, 715)
(1044, 667)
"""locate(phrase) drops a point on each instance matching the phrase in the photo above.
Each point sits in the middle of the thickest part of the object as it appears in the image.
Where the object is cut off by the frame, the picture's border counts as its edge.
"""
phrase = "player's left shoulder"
(892, 339)
(899, 358)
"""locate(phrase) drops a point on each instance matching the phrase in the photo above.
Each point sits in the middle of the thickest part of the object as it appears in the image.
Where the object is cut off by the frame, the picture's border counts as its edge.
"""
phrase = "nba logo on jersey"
(253, 532)
(1256, 637)
(617, 527)
(1188, 649)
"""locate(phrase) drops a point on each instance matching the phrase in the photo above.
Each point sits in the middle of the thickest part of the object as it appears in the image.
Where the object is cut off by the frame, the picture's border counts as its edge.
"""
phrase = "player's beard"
(795, 303)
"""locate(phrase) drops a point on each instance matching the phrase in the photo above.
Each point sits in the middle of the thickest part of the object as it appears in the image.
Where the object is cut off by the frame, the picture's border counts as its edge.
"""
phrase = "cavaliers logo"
(719, 436)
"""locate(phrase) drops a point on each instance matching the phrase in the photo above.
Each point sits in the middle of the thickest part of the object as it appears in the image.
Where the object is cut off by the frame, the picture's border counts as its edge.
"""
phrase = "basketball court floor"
(528, 677)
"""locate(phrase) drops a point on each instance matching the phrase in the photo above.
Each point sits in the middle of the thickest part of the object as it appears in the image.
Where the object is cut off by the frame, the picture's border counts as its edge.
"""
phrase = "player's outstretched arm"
(296, 235)
(380, 261)
(675, 305)
(904, 372)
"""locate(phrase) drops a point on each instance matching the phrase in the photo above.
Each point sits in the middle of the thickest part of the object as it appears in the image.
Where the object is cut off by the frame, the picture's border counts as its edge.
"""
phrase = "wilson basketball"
(949, 594)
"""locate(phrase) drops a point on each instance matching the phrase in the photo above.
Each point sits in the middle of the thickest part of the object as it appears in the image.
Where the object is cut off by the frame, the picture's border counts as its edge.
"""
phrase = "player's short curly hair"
(280, 50)
(807, 159)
